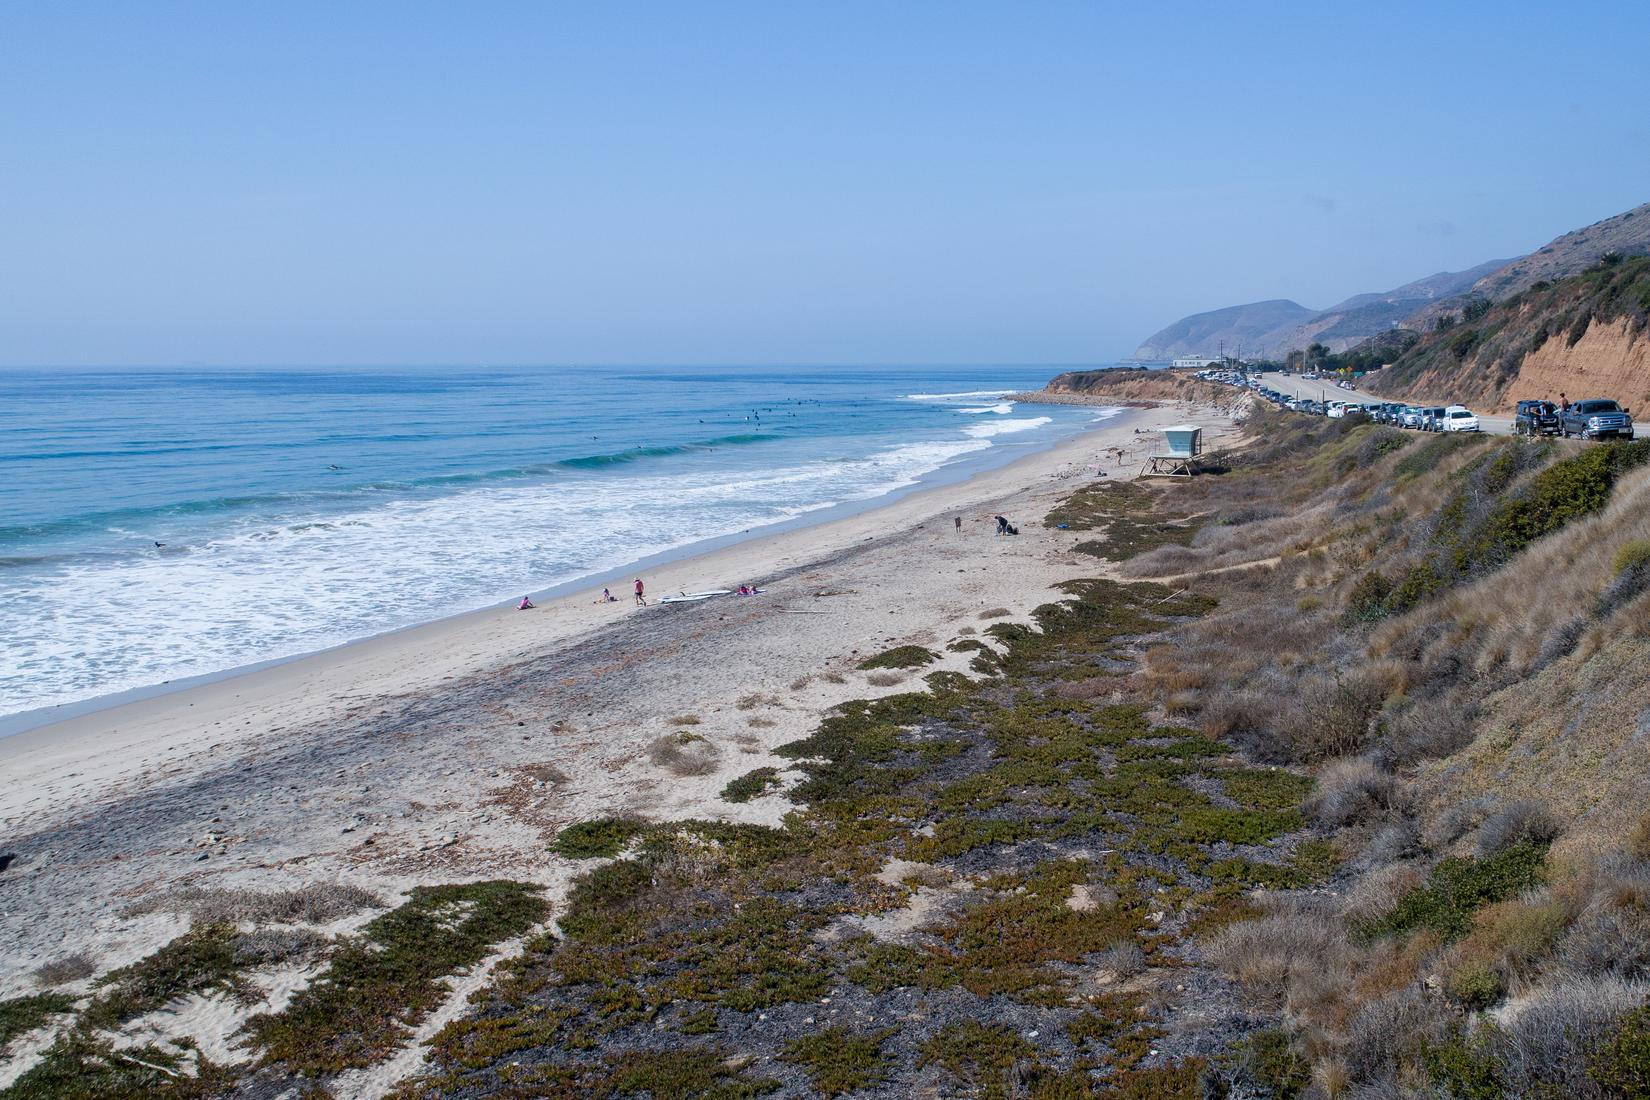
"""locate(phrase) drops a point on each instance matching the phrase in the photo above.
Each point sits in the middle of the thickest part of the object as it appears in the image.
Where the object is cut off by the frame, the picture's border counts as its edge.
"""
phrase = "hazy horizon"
(409, 185)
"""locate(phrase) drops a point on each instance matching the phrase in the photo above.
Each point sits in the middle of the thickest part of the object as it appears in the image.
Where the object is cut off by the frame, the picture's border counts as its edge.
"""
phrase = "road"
(1324, 390)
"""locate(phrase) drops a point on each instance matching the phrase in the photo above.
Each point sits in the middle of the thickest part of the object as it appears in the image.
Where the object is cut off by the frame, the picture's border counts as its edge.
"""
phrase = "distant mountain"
(1242, 327)
(1273, 329)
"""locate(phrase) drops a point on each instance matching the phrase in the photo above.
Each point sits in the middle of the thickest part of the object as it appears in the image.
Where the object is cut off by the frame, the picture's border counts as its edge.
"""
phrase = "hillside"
(1585, 336)
(1272, 329)
(1625, 234)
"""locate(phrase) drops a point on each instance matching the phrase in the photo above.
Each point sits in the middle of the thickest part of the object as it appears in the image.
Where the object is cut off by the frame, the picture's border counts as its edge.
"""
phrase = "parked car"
(1536, 418)
(1431, 418)
(1596, 418)
(1395, 415)
(1411, 417)
(1458, 418)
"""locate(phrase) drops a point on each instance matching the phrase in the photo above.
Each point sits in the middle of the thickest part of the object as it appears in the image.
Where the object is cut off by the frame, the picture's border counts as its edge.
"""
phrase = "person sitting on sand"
(525, 604)
(608, 597)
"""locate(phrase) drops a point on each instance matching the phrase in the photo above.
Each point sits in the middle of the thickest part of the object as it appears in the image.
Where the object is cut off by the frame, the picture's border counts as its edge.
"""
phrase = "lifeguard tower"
(1181, 454)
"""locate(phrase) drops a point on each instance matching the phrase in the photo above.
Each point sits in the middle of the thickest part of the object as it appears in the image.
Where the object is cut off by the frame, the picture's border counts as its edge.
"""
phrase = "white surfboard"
(694, 597)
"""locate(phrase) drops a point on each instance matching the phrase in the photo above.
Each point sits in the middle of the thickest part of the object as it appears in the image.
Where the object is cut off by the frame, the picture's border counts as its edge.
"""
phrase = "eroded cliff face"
(1610, 360)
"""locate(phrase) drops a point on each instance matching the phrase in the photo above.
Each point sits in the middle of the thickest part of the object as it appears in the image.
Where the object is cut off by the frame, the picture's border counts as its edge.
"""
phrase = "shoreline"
(965, 468)
(458, 749)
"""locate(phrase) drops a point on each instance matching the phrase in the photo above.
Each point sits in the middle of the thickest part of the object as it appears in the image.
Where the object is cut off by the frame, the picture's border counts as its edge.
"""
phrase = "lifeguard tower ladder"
(1181, 455)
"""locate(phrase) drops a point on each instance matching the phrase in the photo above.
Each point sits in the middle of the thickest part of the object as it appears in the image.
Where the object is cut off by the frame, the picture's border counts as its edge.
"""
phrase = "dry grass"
(684, 720)
(884, 679)
(759, 722)
(684, 754)
(316, 903)
(70, 968)
(757, 699)
(996, 613)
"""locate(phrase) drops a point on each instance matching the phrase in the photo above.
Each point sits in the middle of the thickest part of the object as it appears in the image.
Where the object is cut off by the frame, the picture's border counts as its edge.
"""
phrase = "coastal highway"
(1323, 389)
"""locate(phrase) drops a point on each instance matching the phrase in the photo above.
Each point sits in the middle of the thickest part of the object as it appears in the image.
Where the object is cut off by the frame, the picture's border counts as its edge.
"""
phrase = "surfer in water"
(641, 600)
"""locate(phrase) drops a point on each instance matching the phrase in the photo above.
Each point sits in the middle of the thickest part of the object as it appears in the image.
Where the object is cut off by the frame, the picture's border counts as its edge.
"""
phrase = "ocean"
(159, 524)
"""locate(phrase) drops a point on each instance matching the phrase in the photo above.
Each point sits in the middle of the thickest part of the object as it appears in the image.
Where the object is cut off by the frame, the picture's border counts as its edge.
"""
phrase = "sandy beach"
(458, 749)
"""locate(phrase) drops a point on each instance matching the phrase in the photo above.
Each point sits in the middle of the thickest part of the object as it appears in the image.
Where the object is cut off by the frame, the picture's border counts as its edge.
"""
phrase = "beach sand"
(457, 750)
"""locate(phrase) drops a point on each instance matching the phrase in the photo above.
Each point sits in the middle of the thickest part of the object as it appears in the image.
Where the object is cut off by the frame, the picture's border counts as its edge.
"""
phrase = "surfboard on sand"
(694, 597)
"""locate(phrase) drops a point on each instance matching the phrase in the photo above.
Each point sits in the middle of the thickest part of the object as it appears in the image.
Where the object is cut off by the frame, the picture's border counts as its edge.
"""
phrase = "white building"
(1197, 362)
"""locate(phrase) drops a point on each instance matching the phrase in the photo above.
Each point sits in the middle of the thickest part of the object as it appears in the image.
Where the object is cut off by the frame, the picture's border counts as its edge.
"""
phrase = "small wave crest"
(955, 396)
(1006, 427)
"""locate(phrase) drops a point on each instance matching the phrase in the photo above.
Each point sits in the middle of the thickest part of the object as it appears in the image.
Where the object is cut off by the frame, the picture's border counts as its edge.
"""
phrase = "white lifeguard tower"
(1181, 453)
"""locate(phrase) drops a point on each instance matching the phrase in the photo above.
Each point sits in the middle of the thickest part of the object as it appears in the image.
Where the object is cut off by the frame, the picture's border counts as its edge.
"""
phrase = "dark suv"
(1536, 418)
(1596, 418)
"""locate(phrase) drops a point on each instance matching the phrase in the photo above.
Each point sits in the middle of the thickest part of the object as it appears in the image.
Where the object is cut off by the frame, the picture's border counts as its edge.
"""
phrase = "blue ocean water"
(301, 508)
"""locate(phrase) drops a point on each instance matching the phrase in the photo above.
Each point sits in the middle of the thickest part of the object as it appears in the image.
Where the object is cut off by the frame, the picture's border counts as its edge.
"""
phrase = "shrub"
(1621, 1064)
(1125, 960)
(1367, 602)
(602, 837)
(839, 1061)
(1349, 792)
(1634, 554)
(317, 903)
(1476, 984)
(1272, 1062)
(380, 984)
(979, 1055)
(1547, 1048)
(901, 657)
(69, 968)
(753, 784)
(1388, 1037)
(1611, 941)
(684, 754)
(1520, 823)
(200, 961)
(1458, 888)
(21, 1015)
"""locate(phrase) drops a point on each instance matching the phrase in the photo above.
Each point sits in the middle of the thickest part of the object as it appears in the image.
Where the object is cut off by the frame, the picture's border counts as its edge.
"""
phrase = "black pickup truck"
(1536, 418)
(1596, 418)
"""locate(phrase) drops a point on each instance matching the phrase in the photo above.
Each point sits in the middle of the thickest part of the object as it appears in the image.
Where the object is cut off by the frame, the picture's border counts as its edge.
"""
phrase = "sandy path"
(455, 751)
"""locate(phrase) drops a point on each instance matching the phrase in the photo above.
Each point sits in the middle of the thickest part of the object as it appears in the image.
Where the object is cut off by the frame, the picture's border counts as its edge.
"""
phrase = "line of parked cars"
(1441, 418)
(1594, 418)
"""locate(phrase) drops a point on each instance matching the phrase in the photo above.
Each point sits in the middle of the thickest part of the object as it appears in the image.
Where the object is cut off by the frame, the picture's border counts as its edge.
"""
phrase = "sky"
(775, 183)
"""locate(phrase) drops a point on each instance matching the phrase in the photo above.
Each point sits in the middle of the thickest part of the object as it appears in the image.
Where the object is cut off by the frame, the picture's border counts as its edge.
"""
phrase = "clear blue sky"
(293, 182)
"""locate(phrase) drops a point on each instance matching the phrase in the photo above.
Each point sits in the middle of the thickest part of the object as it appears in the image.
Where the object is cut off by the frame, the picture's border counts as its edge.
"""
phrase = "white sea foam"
(1006, 427)
(275, 588)
(1001, 409)
(954, 396)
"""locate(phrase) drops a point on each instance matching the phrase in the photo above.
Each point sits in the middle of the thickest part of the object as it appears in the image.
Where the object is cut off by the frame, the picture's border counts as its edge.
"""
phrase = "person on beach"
(1002, 524)
(526, 604)
(641, 600)
(958, 521)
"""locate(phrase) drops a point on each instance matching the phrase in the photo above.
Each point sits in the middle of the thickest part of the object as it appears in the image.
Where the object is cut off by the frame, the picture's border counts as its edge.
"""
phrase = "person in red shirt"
(641, 601)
